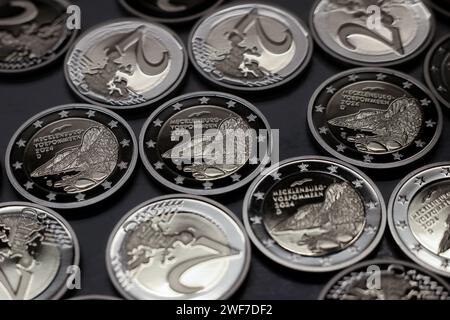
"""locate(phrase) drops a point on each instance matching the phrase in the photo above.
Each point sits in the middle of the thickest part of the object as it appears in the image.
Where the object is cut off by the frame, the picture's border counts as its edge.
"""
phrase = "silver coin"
(37, 246)
(250, 47)
(178, 247)
(314, 214)
(125, 64)
(386, 280)
(71, 156)
(419, 217)
(372, 33)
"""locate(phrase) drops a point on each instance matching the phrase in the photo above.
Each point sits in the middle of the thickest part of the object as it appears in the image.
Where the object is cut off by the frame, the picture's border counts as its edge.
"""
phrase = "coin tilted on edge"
(37, 249)
(437, 70)
(71, 156)
(178, 247)
(419, 217)
(314, 214)
(372, 33)
(205, 143)
(375, 118)
(250, 47)
(126, 64)
(169, 11)
(386, 280)
(33, 34)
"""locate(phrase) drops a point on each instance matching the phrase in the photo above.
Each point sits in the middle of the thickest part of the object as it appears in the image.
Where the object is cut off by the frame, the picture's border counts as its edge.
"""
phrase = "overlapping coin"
(437, 70)
(372, 33)
(126, 64)
(169, 11)
(178, 247)
(205, 143)
(419, 217)
(38, 248)
(33, 34)
(375, 118)
(386, 280)
(71, 156)
(250, 47)
(314, 214)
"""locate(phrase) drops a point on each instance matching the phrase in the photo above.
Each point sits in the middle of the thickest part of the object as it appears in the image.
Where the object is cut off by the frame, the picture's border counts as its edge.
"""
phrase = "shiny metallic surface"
(372, 33)
(71, 156)
(178, 247)
(314, 214)
(37, 248)
(250, 47)
(126, 64)
(375, 118)
(419, 217)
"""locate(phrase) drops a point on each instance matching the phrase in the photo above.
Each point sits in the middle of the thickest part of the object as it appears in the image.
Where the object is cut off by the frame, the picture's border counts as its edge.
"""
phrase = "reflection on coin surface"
(205, 143)
(71, 156)
(386, 280)
(178, 247)
(37, 248)
(442, 6)
(372, 32)
(169, 11)
(437, 70)
(314, 214)
(419, 217)
(250, 47)
(125, 64)
(33, 34)
(375, 118)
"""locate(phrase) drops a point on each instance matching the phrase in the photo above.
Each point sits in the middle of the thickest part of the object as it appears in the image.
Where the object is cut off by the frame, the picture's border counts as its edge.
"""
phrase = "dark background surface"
(22, 96)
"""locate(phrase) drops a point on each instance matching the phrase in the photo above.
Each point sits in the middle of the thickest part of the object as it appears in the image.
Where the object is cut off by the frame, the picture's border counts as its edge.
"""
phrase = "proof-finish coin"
(437, 70)
(372, 32)
(375, 118)
(126, 64)
(205, 143)
(169, 11)
(38, 248)
(314, 214)
(386, 280)
(250, 47)
(178, 247)
(71, 156)
(419, 217)
(33, 34)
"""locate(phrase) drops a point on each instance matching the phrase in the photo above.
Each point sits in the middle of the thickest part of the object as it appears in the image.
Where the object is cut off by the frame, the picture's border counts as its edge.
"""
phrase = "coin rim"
(175, 85)
(360, 163)
(237, 284)
(426, 70)
(375, 262)
(70, 205)
(76, 246)
(204, 192)
(302, 67)
(320, 269)
(348, 61)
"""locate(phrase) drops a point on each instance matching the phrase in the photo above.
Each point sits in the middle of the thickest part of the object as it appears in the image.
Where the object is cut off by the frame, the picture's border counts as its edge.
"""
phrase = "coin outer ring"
(76, 245)
(137, 13)
(55, 57)
(363, 164)
(367, 263)
(321, 269)
(292, 76)
(348, 61)
(392, 226)
(200, 192)
(427, 66)
(174, 86)
(80, 204)
(225, 210)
